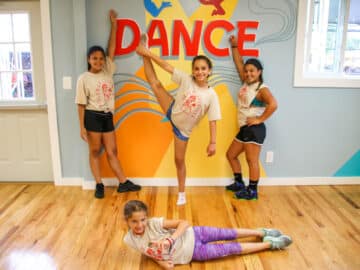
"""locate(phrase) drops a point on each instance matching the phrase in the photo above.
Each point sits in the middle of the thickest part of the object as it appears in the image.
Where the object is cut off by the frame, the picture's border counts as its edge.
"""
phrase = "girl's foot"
(270, 232)
(280, 242)
(99, 191)
(181, 199)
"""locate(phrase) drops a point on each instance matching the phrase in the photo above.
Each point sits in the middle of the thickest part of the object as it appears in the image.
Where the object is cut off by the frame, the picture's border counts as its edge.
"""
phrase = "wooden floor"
(47, 227)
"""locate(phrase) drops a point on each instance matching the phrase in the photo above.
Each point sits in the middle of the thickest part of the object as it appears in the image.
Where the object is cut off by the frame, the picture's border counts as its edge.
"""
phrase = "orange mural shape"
(142, 136)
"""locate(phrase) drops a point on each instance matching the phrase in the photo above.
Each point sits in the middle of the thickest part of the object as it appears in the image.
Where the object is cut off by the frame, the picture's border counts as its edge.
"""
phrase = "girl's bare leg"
(94, 141)
(111, 152)
(163, 97)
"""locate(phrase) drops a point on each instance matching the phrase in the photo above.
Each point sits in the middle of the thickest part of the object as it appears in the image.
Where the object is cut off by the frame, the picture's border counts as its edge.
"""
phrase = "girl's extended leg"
(94, 141)
(163, 97)
(109, 140)
(204, 250)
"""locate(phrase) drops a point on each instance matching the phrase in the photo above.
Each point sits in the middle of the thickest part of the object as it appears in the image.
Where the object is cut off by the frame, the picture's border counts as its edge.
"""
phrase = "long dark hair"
(93, 49)
(134, 206)
(256, 63)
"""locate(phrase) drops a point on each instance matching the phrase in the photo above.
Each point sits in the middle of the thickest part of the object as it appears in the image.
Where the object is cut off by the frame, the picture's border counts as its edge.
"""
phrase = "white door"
(24, 137)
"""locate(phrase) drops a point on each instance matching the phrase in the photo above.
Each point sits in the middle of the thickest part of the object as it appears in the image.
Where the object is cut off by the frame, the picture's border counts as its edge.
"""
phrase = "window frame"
(39, 99)
(301, 77)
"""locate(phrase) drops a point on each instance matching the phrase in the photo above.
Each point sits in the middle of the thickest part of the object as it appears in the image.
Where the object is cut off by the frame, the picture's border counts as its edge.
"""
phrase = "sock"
(181, 198)
(253, 184)
(238, 178)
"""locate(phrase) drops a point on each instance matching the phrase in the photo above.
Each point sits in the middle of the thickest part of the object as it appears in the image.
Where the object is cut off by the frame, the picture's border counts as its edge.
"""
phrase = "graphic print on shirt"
(104, 92)
(191, 104)
(243, 97)
(157, 253)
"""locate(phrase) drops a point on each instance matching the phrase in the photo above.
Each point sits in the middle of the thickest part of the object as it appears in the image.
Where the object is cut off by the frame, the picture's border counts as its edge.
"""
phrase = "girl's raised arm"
(237, 58)
(112, 37)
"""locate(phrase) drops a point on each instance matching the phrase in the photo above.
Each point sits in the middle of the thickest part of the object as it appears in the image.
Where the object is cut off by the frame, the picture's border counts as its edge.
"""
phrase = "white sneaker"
(181, 199)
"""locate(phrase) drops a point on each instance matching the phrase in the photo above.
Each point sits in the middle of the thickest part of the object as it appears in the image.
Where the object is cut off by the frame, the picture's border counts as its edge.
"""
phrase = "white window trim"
(39, 100)
(301, 79)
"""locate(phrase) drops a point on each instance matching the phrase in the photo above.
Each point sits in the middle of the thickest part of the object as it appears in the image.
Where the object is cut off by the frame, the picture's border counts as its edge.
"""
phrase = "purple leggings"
(204, 250)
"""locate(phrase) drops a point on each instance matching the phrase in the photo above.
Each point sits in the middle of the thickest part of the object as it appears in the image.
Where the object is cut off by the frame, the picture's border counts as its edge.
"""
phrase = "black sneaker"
(99, 191)
(249, 194)
(236, 186)
(128, 186)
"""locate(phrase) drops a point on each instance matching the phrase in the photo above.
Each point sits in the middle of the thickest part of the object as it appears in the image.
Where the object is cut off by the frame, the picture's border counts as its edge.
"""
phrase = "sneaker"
(181, 199)
(99, 191)
(247, 194)
(128, 186)
(236, 186)
(279, 242)
(270, 232)
(144, 40)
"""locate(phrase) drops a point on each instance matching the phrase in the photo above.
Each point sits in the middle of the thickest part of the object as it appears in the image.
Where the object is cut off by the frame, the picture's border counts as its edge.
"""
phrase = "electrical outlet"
(67, 83)
(269, 157)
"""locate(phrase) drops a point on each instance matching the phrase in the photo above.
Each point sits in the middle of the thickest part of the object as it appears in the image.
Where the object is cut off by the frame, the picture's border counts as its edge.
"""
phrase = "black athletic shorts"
(98, 121)
(252, 134)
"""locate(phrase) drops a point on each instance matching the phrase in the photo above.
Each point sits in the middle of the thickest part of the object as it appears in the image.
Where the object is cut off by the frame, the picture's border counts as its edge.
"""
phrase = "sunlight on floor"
(25, 260)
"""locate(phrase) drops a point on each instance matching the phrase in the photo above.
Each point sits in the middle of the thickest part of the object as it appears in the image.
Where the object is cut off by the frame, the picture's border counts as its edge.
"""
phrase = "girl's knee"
(95, 152)
(155, 84)
(180, 162)
(112, 153)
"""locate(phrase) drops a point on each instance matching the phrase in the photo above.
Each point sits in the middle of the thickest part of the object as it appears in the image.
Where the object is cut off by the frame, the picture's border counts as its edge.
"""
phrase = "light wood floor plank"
(68, 227)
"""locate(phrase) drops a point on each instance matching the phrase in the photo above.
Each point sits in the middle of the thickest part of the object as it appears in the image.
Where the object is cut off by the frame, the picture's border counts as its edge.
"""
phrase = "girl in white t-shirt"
(255, 105)
(194, 99)
(95, 100)
(170, 242)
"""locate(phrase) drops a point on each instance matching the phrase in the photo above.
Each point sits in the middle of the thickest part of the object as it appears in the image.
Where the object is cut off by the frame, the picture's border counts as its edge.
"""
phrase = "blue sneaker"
(280, 242)
(247, 194)
(236, 186)
(270, 232)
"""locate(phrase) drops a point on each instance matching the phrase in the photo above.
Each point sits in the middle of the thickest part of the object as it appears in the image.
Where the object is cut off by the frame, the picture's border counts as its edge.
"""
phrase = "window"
(328, 44)
(16, 72)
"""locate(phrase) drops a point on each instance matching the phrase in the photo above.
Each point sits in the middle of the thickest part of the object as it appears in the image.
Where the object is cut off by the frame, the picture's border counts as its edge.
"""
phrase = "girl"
(177, 242)
(255, 105)
(95, 99)
(194, 99)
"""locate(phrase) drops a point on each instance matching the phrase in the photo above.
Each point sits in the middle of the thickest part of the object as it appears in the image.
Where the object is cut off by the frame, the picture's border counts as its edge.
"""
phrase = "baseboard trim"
(270, 181)
(71, 181)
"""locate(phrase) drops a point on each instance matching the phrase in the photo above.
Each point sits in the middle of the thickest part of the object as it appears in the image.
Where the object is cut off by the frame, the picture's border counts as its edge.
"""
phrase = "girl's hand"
(83, 134)
(112, 16)
(211, 149)
(250, 121)
(142, 50)
(166, 264)
(233, 40)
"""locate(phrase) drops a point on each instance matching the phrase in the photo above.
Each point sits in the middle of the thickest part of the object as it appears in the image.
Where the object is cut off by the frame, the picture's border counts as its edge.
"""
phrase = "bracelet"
(234, 46)
(212, 143)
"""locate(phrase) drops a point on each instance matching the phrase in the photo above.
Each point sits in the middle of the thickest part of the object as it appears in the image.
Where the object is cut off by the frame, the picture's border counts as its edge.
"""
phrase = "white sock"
(181, 198)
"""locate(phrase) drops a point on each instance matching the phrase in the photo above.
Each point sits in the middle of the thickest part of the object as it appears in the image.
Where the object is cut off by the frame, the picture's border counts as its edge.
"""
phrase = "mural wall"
(305, 134)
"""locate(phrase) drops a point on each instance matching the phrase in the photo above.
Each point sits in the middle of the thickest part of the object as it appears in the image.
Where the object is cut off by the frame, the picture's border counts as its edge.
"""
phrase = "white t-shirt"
(192, 103)
(183, 248)
(96, 90)
(246, 95)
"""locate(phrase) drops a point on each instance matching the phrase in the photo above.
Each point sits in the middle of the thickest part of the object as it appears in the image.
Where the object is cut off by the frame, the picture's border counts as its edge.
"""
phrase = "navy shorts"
(175, 129)
(252, 134)
(98, 121)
